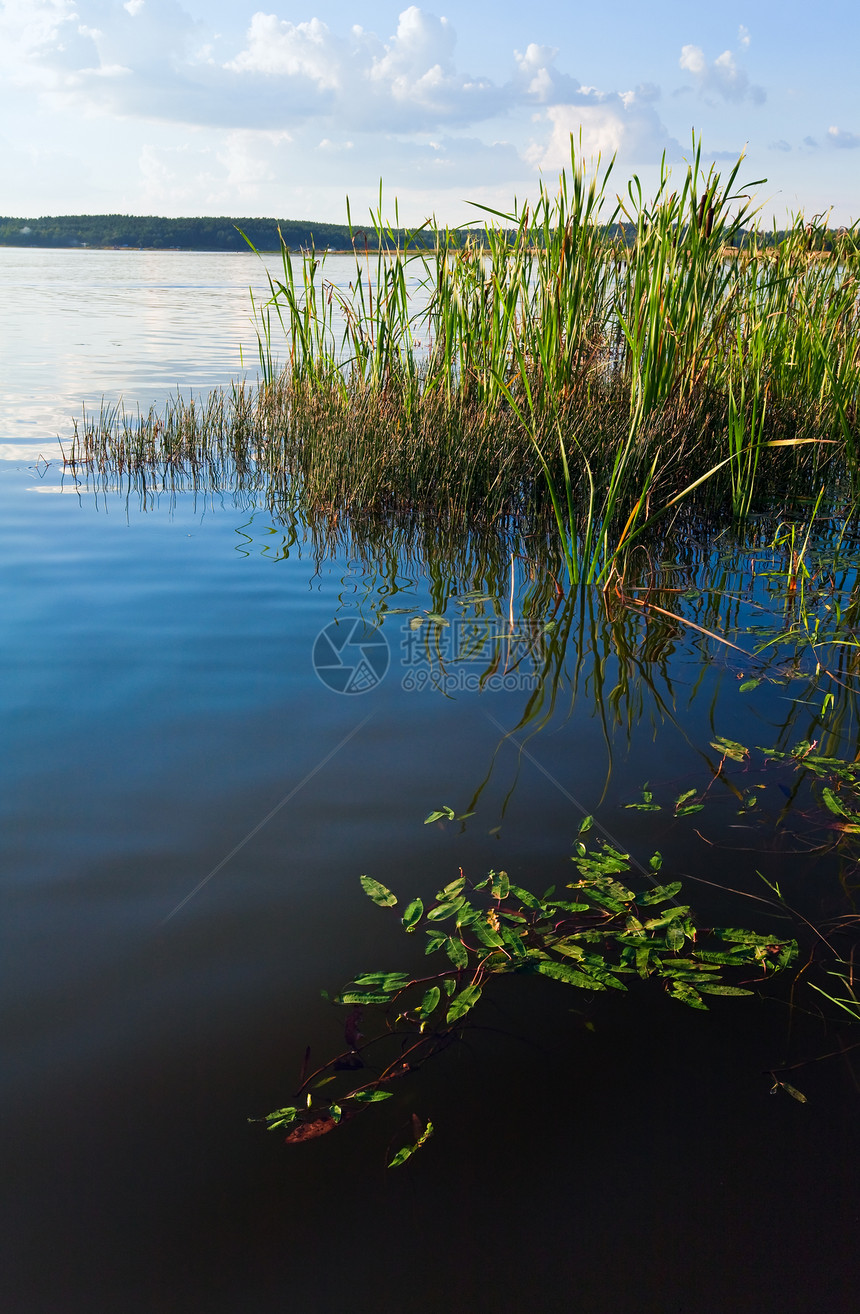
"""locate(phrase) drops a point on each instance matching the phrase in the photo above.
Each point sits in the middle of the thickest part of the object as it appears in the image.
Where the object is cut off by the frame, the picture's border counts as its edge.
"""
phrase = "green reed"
(593, 358)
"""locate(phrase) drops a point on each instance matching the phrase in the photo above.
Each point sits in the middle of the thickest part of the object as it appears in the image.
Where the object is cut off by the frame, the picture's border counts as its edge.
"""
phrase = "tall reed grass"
(595, 358)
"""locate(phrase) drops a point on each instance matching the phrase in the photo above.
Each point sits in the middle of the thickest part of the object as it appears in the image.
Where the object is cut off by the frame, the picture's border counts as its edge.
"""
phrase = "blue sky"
(183, 107)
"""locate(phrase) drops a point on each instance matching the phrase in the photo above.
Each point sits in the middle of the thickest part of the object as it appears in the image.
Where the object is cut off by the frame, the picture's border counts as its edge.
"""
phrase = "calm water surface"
(159, 704)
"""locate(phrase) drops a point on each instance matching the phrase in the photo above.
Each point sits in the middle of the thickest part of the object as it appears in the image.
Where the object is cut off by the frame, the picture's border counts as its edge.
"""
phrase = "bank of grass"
(558, 368)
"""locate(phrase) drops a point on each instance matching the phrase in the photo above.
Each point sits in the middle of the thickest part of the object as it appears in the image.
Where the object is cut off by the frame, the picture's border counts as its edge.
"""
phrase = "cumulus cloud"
(280, 49)
(617, 123)
(842, 138)
(324, 93)
(722, 76)
(408, 82)
(148, 59)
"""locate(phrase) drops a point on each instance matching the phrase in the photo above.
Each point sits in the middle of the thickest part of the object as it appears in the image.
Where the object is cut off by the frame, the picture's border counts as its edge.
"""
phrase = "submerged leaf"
(793, 1092)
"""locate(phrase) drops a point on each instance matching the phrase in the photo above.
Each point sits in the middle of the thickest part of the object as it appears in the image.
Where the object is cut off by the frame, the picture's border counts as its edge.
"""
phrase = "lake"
(187, 807)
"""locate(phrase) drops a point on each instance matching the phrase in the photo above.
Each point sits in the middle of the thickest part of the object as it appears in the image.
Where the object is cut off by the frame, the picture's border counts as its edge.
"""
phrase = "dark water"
(596, 1155)
(159, 703)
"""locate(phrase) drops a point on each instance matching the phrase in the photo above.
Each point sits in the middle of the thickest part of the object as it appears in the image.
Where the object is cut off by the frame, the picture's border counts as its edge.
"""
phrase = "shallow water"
(186, 809)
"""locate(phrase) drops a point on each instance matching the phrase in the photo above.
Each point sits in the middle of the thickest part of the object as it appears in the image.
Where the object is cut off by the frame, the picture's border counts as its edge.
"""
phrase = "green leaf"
(378, 893)
(408, 1150)
(456, 951)
(485, 933)
(413, 914)
(567, 949)
(500, 887)
(390, 980)
(362, 997)
(443, 910)
(717, 989)
(461, 1003)
(832, 803)
(281, 1117)
(569, 907)
(686, 994)
(442, 814)
(675, 936)
(435, 940)
(749, 684)
(561, 972)
(585, 825)
(526, 898)
(730, 748)
(452, 890)
(660, 893)
(430, 1001)
(656, 861)
(371, 1096)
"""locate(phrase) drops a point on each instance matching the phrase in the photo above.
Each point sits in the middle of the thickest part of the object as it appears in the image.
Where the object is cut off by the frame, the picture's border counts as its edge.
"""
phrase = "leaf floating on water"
(832, 803)
(462, 1003)
(660, 893)
(500, 884)
(309, 1131)
(413, 914)
(441, 814)
(675, 936)
(378, 893)
(730, 748)
(456, 951)
(748, 685)
(371, 1096)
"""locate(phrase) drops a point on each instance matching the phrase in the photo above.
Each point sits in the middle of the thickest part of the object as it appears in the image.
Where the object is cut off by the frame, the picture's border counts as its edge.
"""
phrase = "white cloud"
(743, 37)
(134, 6)
(841, 137)
(620, 124)
(723, 77)
(280, 49)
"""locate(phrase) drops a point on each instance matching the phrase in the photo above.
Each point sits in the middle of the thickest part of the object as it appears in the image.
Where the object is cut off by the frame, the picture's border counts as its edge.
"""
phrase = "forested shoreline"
(223, 233)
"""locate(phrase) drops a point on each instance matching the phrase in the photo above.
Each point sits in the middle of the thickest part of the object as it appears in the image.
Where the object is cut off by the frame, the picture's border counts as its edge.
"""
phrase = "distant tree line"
(200, 234)
(225, 234)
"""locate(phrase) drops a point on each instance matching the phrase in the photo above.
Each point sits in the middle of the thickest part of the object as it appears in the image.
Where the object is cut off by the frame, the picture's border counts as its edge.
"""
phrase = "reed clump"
(598, 359)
